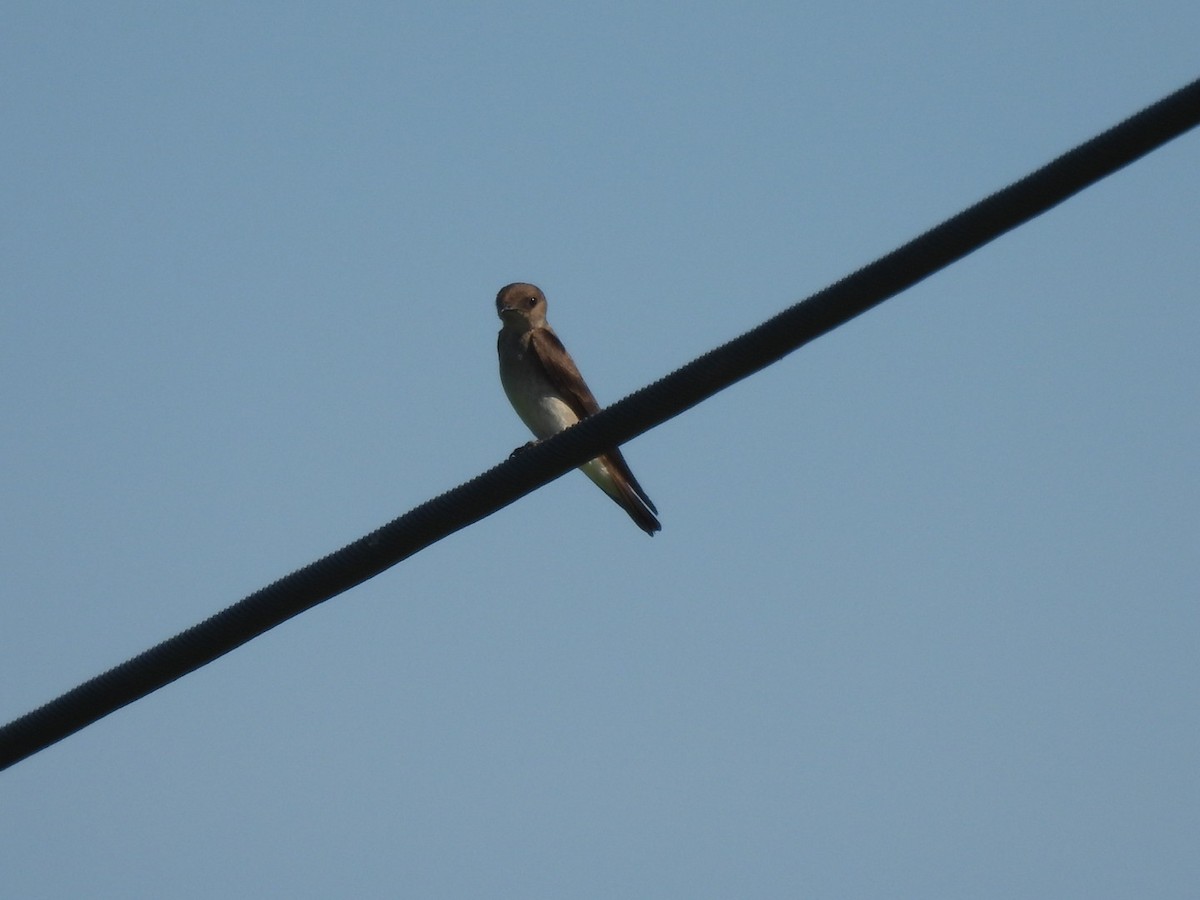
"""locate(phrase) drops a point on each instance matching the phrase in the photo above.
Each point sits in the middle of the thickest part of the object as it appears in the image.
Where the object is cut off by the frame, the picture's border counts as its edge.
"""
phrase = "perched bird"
(545, 388)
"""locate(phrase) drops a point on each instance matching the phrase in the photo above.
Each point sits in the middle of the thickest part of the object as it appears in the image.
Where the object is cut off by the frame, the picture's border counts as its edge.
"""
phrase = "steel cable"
(634, 415)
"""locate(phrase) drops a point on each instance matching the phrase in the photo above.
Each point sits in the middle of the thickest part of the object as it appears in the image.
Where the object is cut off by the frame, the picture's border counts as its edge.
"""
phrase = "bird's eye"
(531, 302)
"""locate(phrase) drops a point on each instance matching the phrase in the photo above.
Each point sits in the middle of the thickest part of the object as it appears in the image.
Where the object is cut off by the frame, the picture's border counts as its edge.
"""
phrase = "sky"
(922, 619)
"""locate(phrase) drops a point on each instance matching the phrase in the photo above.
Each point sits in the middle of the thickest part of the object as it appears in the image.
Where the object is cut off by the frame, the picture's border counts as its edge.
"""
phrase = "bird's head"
(521, 305)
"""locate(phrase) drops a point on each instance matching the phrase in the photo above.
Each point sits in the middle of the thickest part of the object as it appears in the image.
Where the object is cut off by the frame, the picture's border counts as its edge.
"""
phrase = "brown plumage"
(545, 388)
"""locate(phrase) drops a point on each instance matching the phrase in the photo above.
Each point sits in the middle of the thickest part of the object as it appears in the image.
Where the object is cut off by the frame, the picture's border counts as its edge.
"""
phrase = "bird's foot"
(523, 448)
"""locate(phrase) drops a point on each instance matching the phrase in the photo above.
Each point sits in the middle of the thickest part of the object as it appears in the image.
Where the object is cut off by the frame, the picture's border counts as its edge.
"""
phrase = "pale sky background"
(923, 619)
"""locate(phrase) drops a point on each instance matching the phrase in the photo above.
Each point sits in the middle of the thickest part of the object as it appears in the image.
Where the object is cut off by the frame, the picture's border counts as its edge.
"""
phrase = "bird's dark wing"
(556, 362)
(562, 372)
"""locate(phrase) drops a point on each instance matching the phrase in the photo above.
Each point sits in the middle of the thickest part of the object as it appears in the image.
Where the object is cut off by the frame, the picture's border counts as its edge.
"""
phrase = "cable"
(634, 415)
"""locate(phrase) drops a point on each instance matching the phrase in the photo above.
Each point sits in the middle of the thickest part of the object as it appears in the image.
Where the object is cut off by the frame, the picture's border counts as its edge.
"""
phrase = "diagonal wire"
(637, 413)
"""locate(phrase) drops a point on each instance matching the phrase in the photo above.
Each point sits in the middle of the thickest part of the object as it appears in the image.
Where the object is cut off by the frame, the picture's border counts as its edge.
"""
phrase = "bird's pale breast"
(532, 395)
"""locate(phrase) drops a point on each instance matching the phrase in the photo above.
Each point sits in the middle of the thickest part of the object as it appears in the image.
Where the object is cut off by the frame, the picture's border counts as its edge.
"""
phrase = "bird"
(545, 388)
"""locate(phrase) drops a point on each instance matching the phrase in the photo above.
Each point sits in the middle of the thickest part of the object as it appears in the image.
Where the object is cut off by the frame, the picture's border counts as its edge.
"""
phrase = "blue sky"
(922, 620)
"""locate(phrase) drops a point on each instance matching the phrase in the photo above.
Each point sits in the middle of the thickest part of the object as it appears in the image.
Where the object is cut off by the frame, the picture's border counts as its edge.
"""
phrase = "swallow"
(544, 386)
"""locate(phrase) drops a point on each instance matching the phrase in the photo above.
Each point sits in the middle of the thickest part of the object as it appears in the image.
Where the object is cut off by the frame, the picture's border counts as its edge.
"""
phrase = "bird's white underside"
(546, 416)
